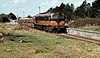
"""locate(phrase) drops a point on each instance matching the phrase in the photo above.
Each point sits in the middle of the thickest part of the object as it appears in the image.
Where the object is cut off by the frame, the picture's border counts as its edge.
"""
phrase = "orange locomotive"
(51, 22)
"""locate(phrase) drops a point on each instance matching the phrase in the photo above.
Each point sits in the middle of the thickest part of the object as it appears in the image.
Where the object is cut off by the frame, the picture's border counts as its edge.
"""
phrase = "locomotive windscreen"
(57, 16)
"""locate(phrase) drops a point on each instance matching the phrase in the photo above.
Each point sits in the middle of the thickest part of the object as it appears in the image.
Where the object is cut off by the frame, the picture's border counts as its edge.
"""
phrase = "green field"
(91, 28)
(39, 44)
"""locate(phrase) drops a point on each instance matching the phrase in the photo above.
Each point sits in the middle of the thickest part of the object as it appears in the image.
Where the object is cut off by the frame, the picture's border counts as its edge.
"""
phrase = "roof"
(44, 14)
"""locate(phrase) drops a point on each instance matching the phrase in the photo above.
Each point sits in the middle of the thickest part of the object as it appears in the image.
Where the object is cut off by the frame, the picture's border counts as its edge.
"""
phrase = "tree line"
(83, 11)
(7, 17)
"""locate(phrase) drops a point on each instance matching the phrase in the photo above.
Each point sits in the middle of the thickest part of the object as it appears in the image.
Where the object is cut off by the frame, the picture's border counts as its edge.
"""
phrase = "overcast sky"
(31, 7)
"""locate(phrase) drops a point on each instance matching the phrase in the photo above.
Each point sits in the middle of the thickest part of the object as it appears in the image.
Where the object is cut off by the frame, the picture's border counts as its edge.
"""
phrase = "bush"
(4, 18)
(85, 22)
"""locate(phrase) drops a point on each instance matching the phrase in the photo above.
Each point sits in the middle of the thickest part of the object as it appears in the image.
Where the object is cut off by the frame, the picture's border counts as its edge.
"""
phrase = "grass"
(92, 28)
(43, 45)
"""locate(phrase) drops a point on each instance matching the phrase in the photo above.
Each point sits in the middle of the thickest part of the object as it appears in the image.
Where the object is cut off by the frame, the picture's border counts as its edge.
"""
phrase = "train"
(50, 22)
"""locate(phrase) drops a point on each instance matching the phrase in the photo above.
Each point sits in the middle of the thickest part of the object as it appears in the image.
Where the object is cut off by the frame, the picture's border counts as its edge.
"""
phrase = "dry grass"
(42, 45)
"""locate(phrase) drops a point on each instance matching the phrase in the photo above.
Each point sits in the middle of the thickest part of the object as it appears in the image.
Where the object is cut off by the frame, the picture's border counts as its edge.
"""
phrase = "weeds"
(35, 44)
(1, 40)
(41, 51)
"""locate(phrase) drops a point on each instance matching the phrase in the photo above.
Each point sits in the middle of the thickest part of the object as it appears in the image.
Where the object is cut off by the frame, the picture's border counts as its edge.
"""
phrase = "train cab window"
(47, 18)
(57, 17)
(54, 17)
(43, 18)
(61, 17)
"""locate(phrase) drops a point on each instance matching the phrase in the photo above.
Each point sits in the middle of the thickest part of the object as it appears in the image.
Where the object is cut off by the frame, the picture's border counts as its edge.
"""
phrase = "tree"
(50, 10)
(89, 9)
(57, 8)
(96, 8)
(29, 16)
(96, 4)
(4, 18)
(61, 7)
(12, 16)
(84, 10)
(68, 10)
(94, 13)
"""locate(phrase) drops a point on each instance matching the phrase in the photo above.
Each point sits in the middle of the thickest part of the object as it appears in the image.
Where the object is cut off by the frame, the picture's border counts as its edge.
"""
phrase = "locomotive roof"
(44, 14)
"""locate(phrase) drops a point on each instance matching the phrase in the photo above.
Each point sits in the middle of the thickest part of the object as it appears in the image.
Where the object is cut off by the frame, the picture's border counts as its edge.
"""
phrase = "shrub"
(4, 18)
(85, 22)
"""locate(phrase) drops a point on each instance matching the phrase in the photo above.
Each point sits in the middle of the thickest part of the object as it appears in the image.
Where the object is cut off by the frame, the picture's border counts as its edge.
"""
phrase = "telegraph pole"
(23, 14)
(39, 9)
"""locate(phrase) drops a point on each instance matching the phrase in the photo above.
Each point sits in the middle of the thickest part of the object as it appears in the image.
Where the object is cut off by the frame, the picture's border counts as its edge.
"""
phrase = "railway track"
(79, 38)
(67, 36)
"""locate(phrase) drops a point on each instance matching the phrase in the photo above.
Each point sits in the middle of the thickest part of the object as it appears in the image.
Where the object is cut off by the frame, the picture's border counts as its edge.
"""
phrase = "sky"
(31, 7)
